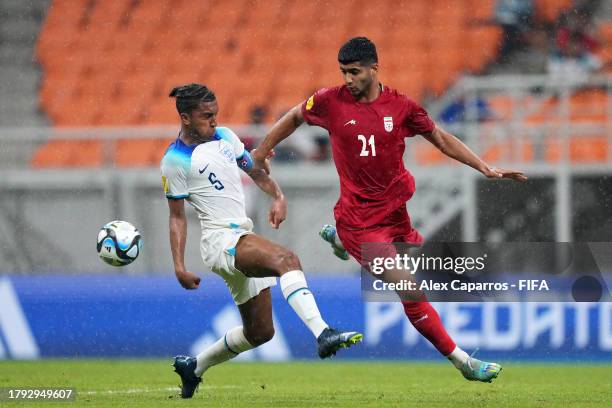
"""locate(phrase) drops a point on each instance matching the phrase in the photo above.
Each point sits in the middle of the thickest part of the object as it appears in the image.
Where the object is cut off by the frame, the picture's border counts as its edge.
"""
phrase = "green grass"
(148, 383)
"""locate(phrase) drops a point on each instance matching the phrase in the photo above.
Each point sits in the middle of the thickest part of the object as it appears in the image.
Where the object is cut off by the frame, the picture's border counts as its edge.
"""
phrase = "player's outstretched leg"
(328, 233)
(426, 320)
(190, 369)
(300, 298)
(257, 329)
(258, 257)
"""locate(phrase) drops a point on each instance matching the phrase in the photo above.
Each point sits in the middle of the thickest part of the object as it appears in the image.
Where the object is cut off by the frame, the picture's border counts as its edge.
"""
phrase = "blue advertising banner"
(152, 316)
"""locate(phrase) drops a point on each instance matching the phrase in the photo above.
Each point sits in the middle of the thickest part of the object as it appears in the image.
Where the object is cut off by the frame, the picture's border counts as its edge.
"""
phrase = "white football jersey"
(208, 177)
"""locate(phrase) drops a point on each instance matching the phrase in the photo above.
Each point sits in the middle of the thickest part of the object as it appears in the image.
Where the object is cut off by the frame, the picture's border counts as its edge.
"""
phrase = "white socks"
(295, 290)
(458, 357)
(294, 287)
(227, 347)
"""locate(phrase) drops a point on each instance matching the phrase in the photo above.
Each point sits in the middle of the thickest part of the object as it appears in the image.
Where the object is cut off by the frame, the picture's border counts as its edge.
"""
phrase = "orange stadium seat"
(584, 106)
(590, 105)
(427, 154)
(60, 27)
(408, 13)
(240, 109)
(56, 92)
(480, 10)
(260, 13)
(301, 14)
(589, 149)
(183, 13)
(53, 154)
(137, 153)
(547, 111)
(581, 149)
(160, 111)
(410, 84)
(149, 13)
(548, 10)
(63, 153)
(502, 106)
(77, 112)
(605, 52)
(516, 149)
(606, 32)
(123, 112)
(106, 16)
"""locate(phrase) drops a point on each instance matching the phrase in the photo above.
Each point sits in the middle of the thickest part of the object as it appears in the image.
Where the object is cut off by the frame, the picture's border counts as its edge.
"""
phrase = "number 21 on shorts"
(364, 145)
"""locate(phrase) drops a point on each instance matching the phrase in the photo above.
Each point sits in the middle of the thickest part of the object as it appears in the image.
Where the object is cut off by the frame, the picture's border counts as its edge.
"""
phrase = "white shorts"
(218, 248)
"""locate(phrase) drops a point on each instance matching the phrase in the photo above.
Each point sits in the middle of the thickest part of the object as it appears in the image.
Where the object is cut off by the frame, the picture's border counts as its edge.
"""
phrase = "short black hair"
(188, 97)
(358, 49)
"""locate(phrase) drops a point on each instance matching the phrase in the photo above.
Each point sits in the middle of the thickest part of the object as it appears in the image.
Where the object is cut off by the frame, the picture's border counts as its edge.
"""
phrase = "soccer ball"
(119, 243)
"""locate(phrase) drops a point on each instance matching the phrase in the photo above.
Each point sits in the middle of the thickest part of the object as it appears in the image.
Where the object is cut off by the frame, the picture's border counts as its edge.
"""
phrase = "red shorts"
(396, 228)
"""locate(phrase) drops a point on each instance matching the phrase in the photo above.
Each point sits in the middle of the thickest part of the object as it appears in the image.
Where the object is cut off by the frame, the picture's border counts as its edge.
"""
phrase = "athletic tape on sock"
(291, 282)
(236, 342)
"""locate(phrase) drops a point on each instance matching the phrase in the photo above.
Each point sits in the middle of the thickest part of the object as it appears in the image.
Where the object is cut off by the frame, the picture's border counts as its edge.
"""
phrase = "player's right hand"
(494, 172)
(188, 280)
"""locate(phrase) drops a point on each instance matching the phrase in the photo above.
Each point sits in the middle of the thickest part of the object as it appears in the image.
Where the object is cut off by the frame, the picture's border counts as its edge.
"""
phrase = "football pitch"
(151, 383)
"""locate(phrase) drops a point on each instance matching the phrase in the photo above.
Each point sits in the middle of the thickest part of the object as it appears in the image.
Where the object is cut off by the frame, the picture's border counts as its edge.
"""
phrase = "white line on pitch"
(145, 390)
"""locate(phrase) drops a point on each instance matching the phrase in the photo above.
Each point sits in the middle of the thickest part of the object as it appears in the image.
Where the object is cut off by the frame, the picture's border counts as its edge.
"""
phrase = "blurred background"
(85, 119)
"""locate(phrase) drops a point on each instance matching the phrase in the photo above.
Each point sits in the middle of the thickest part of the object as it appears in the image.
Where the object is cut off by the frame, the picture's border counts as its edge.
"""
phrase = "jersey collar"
(381, 96)
(184, 147)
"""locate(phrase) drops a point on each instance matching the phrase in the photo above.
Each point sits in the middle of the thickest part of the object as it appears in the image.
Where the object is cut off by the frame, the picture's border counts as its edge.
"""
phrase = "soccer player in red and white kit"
(368, 123)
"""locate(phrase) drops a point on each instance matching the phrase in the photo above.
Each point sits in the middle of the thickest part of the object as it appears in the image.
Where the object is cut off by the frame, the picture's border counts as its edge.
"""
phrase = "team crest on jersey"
(228, 153)
(388, 121)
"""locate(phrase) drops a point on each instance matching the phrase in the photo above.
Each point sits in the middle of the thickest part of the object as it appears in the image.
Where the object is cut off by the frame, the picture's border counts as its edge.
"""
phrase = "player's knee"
(262, 335)
(288, 261)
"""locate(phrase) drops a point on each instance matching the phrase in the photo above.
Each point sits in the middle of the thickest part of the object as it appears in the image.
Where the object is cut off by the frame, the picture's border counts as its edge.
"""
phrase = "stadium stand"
(113, 63)
(19, 75)
(110, 45)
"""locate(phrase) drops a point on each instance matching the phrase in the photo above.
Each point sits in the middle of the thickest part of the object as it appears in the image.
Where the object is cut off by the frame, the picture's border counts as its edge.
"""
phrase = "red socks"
(426, 320)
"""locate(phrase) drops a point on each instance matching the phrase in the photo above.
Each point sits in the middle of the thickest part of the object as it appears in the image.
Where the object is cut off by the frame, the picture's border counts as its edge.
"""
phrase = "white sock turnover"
(300, 298)
(458, 357)
(227, 347)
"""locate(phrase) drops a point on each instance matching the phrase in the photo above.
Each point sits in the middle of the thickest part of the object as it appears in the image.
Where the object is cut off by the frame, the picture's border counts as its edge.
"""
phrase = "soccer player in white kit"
(202, 166)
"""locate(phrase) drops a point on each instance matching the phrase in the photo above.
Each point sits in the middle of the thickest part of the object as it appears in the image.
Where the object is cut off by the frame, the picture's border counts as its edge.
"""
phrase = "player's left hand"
(188, 280)
(494, 172)
(278, 212)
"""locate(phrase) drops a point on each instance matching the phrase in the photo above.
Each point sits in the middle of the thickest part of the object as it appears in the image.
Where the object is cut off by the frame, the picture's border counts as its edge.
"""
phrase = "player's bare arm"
(456, 149)
(279, 132)
(278, 209)
(178, 237)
